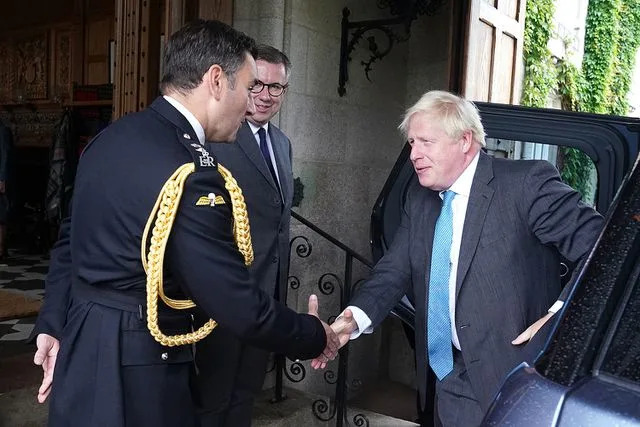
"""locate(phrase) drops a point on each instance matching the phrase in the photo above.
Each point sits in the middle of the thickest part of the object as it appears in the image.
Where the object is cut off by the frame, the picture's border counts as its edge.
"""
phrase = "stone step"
(297, 411)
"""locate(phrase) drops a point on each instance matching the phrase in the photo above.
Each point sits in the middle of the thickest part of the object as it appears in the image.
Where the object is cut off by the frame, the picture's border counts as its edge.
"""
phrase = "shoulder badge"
(201, 156)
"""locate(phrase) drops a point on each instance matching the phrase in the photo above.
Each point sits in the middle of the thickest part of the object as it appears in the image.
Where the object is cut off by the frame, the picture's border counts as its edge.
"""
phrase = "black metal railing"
(335, 408)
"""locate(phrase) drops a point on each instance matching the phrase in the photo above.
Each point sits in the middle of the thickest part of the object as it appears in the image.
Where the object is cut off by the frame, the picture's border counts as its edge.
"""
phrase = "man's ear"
(467, 141)
(215, 79)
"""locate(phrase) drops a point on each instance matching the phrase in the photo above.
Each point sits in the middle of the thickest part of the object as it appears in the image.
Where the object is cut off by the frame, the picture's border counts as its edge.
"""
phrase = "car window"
(563, 158)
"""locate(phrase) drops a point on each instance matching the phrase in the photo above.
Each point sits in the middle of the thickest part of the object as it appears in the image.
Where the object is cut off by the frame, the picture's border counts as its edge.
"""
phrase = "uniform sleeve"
(557, 216)
(204, 259)
(53, 313)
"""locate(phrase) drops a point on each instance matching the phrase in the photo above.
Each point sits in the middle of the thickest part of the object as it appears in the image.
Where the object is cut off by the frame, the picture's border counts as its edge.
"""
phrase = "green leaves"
(612, 38)
(539, 72)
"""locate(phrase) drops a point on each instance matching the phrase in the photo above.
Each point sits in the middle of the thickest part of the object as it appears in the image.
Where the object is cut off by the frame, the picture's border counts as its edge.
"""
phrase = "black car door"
(611, 142)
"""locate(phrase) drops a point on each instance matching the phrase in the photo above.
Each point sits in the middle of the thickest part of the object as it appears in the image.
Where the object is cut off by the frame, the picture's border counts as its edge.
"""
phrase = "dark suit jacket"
(520, 218)
(269, 211)
(105, 339)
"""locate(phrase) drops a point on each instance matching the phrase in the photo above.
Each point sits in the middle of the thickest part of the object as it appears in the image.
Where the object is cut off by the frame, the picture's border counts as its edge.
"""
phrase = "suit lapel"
(479, 202)
(280, 157)
(249, 145)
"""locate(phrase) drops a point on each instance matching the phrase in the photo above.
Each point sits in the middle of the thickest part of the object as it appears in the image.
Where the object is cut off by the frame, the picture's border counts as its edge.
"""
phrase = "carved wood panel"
(6, 71)
(31, 67)
(33, 128)
(63, 53)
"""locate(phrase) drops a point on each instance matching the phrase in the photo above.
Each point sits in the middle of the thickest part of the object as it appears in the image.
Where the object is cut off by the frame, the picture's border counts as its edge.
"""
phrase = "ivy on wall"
(539, 72)
(600, 49)
(612, 38)
(628, 43)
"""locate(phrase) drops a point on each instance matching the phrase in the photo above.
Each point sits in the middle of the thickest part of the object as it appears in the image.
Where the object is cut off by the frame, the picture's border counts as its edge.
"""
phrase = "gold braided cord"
(164, 213)
(241, 231)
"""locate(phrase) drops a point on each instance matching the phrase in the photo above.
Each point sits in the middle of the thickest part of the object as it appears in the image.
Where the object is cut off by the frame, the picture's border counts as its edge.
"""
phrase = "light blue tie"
(438, 320)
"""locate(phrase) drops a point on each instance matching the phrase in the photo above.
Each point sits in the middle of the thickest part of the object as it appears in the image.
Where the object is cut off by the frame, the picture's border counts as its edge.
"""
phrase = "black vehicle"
(588, 372)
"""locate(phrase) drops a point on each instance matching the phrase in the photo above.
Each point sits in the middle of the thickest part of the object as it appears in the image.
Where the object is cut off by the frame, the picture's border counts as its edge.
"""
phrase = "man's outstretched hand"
(45, 356)
(333, 344)
(342, 327)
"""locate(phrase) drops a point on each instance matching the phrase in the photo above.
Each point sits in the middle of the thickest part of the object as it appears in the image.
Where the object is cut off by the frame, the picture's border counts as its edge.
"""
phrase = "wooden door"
(493, 66)
(140, 27)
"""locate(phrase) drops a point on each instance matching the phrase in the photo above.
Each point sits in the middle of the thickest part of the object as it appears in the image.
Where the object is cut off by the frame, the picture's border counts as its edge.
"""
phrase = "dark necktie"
(264, 148)
(438, 320)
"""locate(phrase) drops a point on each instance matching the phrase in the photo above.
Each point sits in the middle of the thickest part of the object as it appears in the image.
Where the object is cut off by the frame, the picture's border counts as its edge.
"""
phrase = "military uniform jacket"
(110, 371)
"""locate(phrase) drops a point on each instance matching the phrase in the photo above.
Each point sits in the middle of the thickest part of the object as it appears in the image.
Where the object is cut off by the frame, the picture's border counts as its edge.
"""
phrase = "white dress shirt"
(195, 124)
(255, 130)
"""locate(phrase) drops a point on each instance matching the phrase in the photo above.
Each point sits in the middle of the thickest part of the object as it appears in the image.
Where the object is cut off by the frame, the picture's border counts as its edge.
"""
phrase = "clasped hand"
(340, 332)
(333, 342)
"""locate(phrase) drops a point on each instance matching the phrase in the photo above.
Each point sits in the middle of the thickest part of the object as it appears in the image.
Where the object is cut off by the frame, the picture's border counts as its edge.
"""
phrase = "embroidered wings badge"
(210, 200)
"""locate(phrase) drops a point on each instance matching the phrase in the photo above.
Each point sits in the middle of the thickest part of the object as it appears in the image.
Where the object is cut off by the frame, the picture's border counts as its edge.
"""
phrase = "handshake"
(338, 334)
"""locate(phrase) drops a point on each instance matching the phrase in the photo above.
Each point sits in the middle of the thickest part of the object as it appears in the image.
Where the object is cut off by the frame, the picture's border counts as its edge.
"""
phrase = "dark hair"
(194, 48)
(272, 56)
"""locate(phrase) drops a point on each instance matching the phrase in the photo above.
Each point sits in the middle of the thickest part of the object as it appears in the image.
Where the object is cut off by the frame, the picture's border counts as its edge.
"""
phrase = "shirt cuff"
(556, 306)
(363, 321)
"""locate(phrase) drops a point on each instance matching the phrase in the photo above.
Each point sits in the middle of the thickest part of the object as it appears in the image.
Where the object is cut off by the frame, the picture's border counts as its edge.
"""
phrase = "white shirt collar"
(255, 128)
(462, 185)
(195, 124)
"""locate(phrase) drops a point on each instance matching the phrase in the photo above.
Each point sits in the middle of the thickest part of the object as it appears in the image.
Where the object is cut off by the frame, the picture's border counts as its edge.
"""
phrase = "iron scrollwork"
(323, 410)
(330, 377)
(303, 247)
(303, 250)
(327, 283)
(294, 282)
(360, 420)
(405, 12)
(295, 372)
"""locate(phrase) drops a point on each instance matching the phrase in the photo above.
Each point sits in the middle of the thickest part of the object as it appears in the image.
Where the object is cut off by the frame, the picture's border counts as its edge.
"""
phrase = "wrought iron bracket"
(406, 12)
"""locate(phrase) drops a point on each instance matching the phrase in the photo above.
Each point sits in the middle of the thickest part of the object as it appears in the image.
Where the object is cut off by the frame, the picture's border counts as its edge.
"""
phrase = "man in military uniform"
(115, 365)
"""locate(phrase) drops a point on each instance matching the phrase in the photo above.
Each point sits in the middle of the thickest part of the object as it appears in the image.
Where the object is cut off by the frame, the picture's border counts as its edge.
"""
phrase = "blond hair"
(455, 113)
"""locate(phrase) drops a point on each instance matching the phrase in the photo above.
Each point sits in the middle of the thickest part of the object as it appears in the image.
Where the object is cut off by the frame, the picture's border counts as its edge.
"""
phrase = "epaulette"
(202, 158)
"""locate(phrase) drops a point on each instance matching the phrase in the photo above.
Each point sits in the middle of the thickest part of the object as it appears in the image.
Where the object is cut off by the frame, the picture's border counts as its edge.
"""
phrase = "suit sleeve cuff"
(556, 306)
(363, 321)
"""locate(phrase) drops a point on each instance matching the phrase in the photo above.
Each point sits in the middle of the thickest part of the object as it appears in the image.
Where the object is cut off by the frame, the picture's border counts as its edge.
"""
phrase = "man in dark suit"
(477, 253)
(228, 380)
(124, 357)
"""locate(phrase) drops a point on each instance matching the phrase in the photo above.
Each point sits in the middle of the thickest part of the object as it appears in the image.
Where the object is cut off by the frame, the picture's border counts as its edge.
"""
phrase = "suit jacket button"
(164, 356)
(276, 201)
(274, 259)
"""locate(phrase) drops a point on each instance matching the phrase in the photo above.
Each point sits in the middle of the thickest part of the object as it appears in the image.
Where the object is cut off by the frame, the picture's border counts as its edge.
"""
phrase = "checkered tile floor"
(25, 274)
